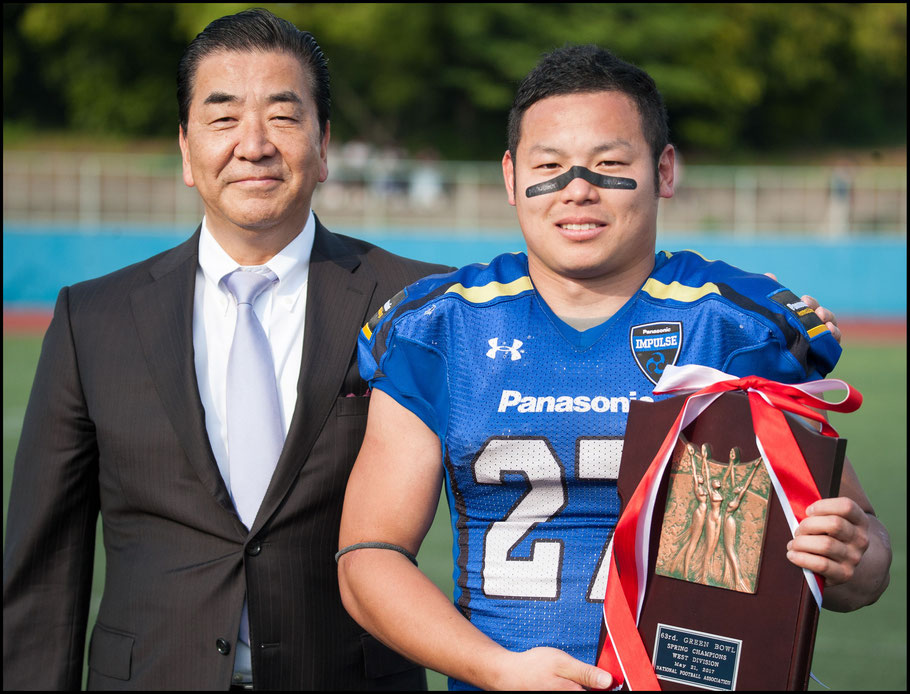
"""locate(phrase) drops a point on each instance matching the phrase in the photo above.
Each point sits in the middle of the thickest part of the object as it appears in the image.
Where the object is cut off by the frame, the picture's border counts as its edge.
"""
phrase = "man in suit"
(131, 415)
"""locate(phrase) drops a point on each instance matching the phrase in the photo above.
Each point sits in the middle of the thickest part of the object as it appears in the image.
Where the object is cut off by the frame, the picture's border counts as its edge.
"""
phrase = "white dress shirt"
(281, 309)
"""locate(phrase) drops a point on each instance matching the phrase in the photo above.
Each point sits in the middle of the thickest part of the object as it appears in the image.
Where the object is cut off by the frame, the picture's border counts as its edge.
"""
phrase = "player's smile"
(581, 228)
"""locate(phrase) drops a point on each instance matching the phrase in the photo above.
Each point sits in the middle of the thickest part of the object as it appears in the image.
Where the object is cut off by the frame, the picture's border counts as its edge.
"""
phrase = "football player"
(510, 383)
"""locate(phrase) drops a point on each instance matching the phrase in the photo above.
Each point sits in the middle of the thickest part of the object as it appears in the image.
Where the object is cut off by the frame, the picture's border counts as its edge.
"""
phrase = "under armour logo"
(496, 347)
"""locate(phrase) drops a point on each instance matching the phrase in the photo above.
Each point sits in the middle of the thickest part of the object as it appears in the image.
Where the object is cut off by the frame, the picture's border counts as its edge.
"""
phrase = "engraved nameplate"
(696, 658)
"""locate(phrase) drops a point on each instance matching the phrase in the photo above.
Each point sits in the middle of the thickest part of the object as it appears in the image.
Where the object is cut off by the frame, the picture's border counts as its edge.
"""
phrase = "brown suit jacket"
(115, 423)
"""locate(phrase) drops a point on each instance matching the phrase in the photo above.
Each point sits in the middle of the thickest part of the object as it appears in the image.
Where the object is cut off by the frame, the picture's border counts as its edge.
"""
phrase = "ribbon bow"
(623, 653)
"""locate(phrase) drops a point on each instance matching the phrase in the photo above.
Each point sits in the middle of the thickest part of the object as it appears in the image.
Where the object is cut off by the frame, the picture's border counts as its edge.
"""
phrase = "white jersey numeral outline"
(537, 576)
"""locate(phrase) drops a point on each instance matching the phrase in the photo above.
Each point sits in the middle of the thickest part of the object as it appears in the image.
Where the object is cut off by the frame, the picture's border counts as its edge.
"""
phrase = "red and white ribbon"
(623, 653)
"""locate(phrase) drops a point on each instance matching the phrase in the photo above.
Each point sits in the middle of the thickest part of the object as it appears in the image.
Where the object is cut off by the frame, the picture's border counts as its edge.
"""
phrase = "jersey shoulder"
(686, 277)
(505, 277)
(405, 348)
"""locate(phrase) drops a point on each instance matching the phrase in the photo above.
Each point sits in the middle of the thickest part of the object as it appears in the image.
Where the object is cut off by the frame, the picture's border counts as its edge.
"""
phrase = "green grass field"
(865, 650)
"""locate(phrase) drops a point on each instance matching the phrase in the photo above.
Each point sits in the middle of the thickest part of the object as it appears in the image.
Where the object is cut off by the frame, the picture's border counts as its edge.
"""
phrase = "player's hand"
(549, 669)
(824, 315)
(831, 540)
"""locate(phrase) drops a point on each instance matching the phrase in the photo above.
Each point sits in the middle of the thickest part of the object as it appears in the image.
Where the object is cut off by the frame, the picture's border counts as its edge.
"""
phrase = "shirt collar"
(291, 264)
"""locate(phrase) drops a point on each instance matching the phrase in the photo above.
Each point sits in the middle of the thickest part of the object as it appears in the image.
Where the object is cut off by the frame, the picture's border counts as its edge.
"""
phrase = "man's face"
(252, 146)
(583, 231)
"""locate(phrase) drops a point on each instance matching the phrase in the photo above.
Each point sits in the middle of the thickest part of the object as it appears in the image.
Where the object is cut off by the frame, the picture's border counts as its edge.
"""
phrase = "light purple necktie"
(255, 434)
(254, 430)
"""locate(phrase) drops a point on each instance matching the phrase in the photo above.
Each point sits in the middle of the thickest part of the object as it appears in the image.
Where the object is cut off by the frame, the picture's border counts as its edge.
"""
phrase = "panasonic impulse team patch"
(806, 315)
(654, 346)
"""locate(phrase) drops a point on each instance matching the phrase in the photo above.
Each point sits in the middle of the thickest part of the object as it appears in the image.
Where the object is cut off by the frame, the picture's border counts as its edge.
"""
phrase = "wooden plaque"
(724, 609)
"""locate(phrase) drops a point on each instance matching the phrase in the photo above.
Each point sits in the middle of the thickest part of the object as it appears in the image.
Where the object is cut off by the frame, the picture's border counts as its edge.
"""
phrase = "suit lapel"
(163, 313)
(338, 299)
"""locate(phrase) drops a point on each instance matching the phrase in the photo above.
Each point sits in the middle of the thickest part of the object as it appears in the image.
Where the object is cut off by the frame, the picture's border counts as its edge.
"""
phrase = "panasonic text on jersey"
(566, 403)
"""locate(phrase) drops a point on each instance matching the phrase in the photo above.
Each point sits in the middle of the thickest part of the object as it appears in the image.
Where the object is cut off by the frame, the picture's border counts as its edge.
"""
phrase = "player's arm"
(842, 540)
(391, 497)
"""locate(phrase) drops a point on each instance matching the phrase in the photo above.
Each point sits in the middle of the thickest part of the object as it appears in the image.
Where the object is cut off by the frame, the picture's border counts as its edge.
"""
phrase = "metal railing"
(92, 190)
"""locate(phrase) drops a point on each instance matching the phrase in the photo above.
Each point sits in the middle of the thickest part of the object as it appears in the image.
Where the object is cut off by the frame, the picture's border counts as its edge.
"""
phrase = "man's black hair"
(255, 30)
(591, 69)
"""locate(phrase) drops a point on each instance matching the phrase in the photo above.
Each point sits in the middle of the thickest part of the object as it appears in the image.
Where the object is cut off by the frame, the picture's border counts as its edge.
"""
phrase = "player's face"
(252, 147)
(584, 231)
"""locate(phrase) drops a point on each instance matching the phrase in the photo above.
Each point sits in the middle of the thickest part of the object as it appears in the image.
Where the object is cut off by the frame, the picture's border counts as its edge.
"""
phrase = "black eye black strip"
(596, 179)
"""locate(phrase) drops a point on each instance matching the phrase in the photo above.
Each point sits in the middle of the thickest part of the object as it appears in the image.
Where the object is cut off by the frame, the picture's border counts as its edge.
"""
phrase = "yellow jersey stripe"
(479, 295)
(817, 330)
(677, 291)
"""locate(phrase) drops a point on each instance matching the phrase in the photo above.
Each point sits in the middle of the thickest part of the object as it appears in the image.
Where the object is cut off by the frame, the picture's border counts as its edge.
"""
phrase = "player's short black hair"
(588, 69)
(255, 30)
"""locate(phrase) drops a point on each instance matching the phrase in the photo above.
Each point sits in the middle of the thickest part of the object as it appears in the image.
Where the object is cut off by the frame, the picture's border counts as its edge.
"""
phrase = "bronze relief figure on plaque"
(714, 523)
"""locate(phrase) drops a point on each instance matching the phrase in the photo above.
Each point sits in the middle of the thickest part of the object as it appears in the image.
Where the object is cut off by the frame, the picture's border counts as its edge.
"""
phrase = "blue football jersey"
(531, 415)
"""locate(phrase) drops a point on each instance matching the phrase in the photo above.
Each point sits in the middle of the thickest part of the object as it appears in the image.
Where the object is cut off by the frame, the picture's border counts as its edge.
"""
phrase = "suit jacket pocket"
(352, 405)
(110, 652)
(379, 660)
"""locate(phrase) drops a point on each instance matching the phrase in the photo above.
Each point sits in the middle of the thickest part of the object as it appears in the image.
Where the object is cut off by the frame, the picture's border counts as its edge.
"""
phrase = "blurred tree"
(110, 66)
(26, 98)
(382, 57)
(736, 76)
(836, 74)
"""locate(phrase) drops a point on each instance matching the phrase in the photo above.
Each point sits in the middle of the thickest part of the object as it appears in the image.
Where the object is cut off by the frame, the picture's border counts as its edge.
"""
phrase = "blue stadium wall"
(856, 276)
